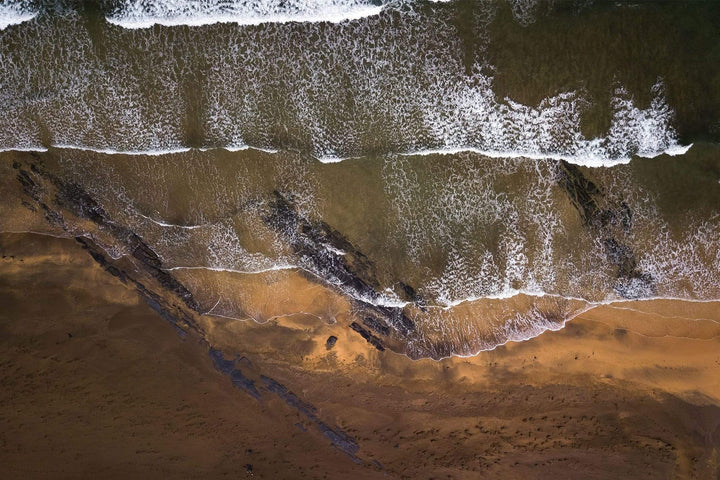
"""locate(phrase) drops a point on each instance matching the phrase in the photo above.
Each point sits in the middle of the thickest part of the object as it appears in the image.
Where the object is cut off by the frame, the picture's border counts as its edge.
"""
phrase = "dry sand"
(95, 384)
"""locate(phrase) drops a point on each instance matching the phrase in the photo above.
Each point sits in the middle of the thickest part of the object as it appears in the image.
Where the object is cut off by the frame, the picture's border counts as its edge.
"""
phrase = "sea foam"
(405, 90)
(136, 14)
(14, 13)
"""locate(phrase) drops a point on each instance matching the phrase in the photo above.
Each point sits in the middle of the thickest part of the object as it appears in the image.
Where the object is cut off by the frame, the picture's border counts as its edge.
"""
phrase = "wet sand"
(96, 383)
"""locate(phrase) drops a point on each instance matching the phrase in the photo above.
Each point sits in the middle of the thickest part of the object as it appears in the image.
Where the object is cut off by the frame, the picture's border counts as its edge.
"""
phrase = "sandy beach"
(360, 239)
(96, 382)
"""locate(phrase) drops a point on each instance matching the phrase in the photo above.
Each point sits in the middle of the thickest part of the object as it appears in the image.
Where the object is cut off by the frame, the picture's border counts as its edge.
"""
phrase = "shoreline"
(519, 337)
(591, 161)
(611, 369)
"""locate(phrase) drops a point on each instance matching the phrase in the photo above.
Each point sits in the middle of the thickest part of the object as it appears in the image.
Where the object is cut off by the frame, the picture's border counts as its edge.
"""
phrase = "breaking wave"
(415, 96)
(13, 13)
(146, 13)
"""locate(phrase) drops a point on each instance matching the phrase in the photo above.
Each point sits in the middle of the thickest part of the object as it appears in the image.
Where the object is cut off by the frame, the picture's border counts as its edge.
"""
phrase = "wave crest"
(15, 13)
(146, 13)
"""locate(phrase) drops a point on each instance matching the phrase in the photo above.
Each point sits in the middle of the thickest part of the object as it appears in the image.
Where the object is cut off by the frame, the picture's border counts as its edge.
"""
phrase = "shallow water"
(490, 169)
(593, 84)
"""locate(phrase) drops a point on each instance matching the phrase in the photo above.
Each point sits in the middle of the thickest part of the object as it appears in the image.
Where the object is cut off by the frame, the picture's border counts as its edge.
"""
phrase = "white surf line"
(147, 153)
(672, 151)
(652, 299)
(172, 225)
(231, 270)
(213, 308)
(262, 322)
(643, 312)
(297, 267)
(239, 319)
(590, 306)
(593, 162)
(589, 161)
(23, 149)
(328, 159)
(500, 296)
(111, 151)
(301, 312)
(509, 340)
(604, 302)
(284, 315)
(508, 294)
(197, 19)
(239, 148)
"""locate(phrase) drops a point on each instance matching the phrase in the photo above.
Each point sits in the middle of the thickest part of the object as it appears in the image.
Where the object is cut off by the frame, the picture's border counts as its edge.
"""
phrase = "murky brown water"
(513, 230)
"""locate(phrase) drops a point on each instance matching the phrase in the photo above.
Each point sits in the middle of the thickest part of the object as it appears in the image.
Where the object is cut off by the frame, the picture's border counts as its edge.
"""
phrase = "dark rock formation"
(177, 317)
(609, 224)
(330, 256)
(369, 337)
(332, 339)
(379, 327)
(412, 296)
(227, 367)
(73, 198)
(339, 439)
(580, 190)
(52, 195)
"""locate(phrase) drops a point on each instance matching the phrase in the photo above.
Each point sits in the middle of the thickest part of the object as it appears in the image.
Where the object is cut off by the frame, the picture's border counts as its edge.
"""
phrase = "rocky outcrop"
(609, 224)
(238, 379)
(369, 337)
(158, 288)
(72, 197)
(176, 316)
(339, 439)
(75, 199)
(39, 186)
(337, 262)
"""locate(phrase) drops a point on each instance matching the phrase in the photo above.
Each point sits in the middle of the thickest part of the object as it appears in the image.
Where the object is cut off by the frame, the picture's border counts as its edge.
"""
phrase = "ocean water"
(481, 170)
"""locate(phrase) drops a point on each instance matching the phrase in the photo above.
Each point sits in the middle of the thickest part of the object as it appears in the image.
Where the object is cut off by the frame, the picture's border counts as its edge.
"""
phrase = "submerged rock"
(328, 254)
(74, 198)
(609, 225)
(369, 337)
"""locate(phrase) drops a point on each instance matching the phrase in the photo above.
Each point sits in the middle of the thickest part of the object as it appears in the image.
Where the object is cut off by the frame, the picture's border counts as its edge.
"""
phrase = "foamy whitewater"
(13, 13)
(146, 13)
(535, 270)
(135, 14)
(414, 97)
(423, 133)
